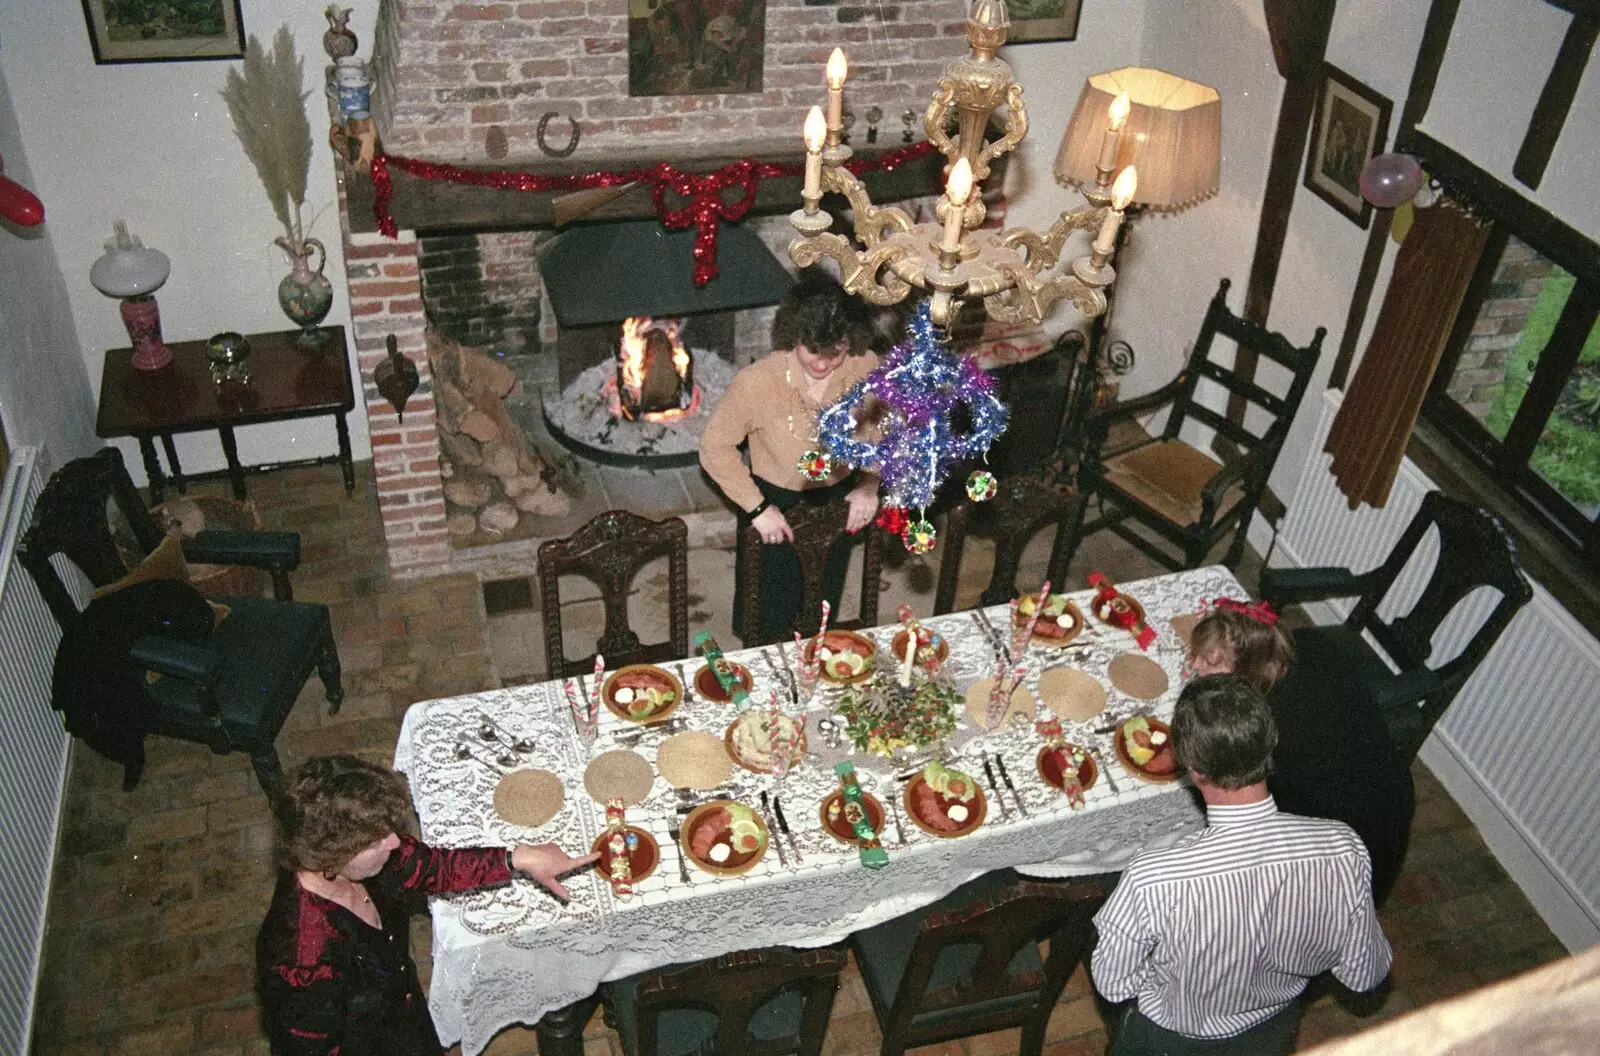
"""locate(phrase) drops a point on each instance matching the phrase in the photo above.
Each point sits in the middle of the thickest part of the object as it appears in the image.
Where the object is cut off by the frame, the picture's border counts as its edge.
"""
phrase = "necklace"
(814, 464)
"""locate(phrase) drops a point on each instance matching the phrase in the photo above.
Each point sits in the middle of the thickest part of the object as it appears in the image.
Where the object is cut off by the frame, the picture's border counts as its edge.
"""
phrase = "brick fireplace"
(470, 83)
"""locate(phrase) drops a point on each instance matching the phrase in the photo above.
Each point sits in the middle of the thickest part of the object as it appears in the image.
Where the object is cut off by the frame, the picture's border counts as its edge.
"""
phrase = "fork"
(676, 833)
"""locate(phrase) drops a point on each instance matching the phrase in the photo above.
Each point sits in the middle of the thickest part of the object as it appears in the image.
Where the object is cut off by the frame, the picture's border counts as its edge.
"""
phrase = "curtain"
(1431, 273)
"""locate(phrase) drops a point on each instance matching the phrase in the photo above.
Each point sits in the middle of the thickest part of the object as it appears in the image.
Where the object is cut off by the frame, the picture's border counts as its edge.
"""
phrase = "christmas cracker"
(720, 667)
(872, 854)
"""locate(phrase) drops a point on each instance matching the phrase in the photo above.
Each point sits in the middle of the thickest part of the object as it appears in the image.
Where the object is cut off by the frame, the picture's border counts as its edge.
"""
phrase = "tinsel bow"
(920, 384)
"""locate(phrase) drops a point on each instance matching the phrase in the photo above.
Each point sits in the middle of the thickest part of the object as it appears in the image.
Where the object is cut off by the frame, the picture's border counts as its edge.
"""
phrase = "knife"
(766, 814)
(783, 823)
(1006, 778)
(1002, 651)
(788, 673)
(988, 772)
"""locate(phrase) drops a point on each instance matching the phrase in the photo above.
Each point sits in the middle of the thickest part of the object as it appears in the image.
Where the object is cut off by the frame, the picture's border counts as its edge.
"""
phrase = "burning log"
(655, 373)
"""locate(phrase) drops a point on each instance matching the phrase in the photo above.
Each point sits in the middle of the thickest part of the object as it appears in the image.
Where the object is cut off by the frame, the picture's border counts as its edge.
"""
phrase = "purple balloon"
(1389, 180)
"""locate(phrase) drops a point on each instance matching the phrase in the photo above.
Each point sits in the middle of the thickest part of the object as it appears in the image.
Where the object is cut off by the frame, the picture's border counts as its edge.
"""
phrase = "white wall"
(44, 389)
(152, 143)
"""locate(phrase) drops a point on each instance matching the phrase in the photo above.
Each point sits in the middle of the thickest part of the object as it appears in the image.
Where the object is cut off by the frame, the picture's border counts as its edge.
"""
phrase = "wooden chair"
(754, 1002)
(816, 528)
(1021, 507)
(1177, 491)
(231, 691)
(973, 962)
(1474, 550)
(610, 550)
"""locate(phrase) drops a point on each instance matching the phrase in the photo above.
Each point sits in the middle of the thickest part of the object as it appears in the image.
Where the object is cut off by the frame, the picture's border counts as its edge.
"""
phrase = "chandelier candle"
(815, 133)
(1121, 195)
(835, 73)
(1108, 144)
(956, 193)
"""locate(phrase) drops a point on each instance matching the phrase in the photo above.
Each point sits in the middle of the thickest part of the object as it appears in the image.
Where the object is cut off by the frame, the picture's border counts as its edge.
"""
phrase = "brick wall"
(459, 69)
(1481, 370)
(483, 289)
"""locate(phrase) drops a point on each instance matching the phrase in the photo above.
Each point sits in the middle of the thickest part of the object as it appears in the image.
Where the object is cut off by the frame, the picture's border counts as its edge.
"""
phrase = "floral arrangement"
(264, 98)
(881, 717)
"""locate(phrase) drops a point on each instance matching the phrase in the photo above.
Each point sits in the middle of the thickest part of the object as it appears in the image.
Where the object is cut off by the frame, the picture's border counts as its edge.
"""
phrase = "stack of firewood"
(490, 477)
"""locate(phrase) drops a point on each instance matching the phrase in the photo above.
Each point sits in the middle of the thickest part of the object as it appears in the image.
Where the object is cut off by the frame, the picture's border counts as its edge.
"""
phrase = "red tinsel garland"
(705, 210)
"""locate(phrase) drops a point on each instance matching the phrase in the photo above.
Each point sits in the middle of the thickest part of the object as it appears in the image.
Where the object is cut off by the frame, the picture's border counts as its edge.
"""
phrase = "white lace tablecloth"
(510, 954)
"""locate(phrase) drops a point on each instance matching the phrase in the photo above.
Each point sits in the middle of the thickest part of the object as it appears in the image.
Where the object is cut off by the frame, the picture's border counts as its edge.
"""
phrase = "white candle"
(815, 133)
(1108, 143)
(1121, 195)
(835, 73)
(911, 651)
(956, 193)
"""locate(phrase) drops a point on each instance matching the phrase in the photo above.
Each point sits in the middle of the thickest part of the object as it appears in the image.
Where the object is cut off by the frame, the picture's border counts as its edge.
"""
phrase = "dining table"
(514, 953)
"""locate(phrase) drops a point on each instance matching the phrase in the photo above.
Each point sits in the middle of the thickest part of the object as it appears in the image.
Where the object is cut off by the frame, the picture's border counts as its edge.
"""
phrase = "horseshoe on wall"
(558, 152)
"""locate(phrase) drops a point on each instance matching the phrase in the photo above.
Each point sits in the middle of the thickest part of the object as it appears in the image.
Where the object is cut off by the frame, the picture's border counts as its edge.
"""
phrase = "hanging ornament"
(815, 465)
(893, 519)
(919, 536)
(922, 384)
(981, 485)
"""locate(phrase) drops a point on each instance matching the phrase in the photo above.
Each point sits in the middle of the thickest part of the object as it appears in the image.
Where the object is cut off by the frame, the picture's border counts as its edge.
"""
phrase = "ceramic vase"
(306, 294)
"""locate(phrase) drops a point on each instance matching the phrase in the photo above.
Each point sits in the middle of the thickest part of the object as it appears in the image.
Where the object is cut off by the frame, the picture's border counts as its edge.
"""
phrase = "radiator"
(34, 747)
(1525, 726)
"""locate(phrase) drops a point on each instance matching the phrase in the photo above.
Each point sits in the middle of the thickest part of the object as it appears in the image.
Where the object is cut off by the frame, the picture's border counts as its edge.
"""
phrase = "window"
(1519, 386)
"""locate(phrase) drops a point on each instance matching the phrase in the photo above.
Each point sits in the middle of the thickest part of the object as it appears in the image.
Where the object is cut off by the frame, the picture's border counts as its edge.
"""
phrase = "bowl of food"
(724, 838)
(642, 693)
(932, 649)
(944, 802)
(845, 657)
(708, 686)
(1144, 745)
(749, 741)
(1059, 622)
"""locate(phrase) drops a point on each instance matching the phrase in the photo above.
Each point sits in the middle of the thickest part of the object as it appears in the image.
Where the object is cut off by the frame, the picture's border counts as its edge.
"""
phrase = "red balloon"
(19, 205)
(1390, 180)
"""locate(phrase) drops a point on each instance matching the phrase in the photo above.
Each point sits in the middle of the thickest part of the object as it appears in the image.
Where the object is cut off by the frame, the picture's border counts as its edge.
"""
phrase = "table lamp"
(132, 272)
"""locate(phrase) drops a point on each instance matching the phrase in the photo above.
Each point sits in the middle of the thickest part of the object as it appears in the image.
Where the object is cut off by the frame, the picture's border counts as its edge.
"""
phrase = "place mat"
(1022, 704)
(529, 797)
(1183, 626)
(619, 774)
(693, 760)
(1072, 694)
(1137, 676)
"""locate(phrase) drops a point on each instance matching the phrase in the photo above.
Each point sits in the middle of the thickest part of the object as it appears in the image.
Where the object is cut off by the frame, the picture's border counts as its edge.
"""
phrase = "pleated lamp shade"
(1173, 134)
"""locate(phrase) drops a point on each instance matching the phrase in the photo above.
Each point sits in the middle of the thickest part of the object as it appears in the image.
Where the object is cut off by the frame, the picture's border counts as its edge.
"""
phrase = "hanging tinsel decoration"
(919, 536)
(922, 384)
(981, 485)
(893, 519)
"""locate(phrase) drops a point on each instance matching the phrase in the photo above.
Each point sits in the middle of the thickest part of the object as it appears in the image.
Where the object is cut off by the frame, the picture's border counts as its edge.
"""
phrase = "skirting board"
(1556, 906)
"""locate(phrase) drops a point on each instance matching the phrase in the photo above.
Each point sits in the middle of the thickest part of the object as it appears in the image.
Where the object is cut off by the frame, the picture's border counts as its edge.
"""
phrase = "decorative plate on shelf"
(644, 854)
(642, 693)
(847, 657)
(1049, 764)
(947, 805)
(1059, 624)
(724, 838)
(1145, 747)
(837, 825)
(706, 684)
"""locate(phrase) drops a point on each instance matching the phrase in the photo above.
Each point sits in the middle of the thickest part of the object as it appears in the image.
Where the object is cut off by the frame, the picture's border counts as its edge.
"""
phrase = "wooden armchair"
(1182, 494)
(1021, 507)
(816, 529)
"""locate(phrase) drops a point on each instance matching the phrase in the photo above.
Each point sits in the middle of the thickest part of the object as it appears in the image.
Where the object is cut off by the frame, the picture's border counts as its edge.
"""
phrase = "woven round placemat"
(693, 760)
(619, 774)
(1183, 626)
(529, 797)
(1022, 703)
(1137, 676)
(1072, 694)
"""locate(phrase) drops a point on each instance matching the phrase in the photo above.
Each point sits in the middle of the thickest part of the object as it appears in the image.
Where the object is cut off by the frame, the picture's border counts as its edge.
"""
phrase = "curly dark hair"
(817, 313)
(1223, 728)
(334, 807)
(1262, 653)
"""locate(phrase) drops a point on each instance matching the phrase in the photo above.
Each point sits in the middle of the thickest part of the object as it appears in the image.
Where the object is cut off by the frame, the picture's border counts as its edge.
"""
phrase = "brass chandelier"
(1013, 271)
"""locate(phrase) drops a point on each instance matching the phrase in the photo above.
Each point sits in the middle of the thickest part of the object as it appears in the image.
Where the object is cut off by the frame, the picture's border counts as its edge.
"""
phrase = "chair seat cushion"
(1167, 476)
(688, 1030)
(884, 951)
(268, 648)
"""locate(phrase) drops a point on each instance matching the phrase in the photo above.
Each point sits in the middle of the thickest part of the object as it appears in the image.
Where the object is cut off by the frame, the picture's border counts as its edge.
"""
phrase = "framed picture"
(1036, 21)
(1349, 125)
(680, 47)
(164, 30)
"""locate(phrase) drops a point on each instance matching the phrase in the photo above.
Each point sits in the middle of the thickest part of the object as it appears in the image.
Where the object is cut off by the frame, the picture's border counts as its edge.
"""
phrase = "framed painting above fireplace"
(164, 30)
(685, 47)
(1036, 21)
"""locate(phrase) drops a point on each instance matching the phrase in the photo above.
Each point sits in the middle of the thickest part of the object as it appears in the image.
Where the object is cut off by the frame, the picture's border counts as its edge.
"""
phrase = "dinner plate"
(1159, 777)
(709, 825)
(1067, 634)
(1049, 765)
(644, 854)
(758, 716)
(706, 684)
(1102, 611)
(831, 814)
(847, 641)
(940, 649)
(920, 796)
(640, 677)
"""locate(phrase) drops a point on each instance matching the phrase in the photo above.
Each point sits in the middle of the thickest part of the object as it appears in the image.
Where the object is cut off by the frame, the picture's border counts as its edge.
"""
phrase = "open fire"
(655, 372)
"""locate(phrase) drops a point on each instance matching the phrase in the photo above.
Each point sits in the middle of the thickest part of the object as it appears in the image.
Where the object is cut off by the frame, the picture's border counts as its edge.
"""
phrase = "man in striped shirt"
(1216, 937)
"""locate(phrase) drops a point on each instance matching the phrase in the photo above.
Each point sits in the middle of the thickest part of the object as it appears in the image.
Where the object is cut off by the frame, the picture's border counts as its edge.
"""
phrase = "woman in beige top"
(820, 335)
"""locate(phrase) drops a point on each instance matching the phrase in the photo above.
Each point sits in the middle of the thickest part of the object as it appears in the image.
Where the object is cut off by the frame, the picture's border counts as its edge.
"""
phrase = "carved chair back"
(816, 528)
(610, 550)
(1021, 507)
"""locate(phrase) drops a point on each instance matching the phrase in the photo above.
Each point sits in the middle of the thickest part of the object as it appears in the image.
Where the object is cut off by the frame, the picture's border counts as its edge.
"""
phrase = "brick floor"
(157, 893)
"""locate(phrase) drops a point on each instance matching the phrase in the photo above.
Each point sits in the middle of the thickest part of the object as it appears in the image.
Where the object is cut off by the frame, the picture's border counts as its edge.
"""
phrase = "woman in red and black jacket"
(333, 959)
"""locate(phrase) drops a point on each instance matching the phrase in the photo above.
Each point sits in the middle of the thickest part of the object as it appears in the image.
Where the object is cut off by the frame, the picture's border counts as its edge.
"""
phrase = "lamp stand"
(143, 319)
(1098, 360)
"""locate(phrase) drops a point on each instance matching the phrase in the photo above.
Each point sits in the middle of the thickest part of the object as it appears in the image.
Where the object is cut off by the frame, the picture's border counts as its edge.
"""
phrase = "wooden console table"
(286, 382)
